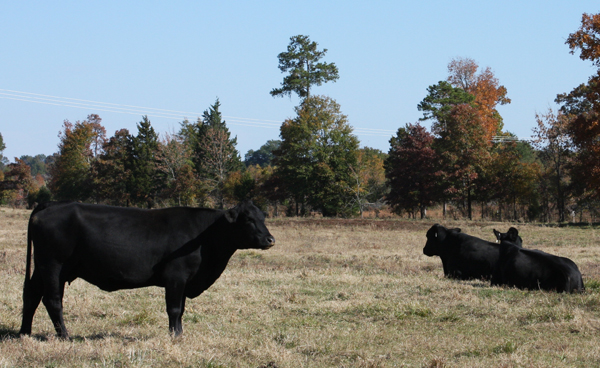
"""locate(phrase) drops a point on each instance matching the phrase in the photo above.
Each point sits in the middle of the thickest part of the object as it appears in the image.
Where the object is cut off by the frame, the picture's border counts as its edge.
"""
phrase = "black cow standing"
(512, 235)
(182, 249)
(463, 256)
(534, 269)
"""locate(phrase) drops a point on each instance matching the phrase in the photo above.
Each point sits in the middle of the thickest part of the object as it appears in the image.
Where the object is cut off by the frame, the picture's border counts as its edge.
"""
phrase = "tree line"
(465, 163)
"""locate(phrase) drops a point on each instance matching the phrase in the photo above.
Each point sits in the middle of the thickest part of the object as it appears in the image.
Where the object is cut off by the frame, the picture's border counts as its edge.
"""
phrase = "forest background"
(465, 163)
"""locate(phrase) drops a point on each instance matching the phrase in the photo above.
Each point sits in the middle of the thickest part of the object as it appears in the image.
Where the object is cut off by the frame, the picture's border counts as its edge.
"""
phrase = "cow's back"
(534, 269)
(113, 247)
(471, 257)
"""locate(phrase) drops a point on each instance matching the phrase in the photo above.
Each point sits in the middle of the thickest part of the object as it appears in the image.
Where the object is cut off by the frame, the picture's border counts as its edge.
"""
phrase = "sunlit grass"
(331, 294)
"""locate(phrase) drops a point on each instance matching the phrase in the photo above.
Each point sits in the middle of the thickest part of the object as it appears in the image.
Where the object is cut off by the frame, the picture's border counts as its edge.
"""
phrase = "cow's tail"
(29, 251)
(37, 209)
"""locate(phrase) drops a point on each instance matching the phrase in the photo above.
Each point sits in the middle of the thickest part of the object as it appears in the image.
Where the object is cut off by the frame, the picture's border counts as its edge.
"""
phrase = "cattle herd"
(507, 263)
(185, 250)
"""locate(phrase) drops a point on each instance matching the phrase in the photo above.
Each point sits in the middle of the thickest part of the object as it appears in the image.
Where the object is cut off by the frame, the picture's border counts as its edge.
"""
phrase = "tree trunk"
(469, 209)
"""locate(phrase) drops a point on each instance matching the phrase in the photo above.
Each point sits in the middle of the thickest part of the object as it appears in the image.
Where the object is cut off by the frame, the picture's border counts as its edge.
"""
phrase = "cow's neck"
(217, 248)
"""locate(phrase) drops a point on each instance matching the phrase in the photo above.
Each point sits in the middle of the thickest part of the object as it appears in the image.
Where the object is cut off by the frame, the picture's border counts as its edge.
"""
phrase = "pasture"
(331, 293)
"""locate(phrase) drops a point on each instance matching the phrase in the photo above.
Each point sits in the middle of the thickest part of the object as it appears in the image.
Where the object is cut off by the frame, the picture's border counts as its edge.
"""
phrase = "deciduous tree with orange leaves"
(18, 182)
(486, 89)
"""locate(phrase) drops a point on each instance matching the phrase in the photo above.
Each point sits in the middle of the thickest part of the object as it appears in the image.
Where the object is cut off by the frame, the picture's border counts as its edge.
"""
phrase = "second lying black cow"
(463, 256)
(534, 269)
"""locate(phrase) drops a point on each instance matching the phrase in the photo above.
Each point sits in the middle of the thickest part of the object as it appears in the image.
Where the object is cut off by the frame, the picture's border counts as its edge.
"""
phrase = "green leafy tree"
(41, 196)
(301, 62)
(264, 155)
(71, 176)
(37, 164)
(251, 184)
(439, 106)
(316, 154)
(465, 152)
(439, 102)
(512, 175)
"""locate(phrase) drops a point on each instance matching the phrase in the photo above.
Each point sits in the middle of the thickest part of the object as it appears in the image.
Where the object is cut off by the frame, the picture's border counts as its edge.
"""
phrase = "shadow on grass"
(8, 333)
(109, 335)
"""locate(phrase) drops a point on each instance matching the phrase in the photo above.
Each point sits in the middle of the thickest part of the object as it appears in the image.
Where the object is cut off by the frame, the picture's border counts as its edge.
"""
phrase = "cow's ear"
(440, 233)
(513, 231)
(231, 215)
(455, 230)
(496, 234)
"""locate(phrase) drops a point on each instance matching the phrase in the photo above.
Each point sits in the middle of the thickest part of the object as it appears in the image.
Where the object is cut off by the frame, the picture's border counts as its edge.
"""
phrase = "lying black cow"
(184, 250)
(534, 269)
(512, 235)
(463, 256)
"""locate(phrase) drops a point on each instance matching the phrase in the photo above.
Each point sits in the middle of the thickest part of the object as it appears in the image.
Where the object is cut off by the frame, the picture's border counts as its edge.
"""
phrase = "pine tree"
(213, 150)
(144, 183)
(111, 170)
(301, 61)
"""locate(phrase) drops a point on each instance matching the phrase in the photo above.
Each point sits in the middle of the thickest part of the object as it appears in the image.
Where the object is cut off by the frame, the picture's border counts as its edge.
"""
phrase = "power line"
(506, 138)
(153, 112)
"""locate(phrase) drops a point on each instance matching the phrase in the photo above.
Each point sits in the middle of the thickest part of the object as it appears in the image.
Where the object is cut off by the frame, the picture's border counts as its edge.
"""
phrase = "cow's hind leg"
(32, 295)
(175, 306)
(52, 299)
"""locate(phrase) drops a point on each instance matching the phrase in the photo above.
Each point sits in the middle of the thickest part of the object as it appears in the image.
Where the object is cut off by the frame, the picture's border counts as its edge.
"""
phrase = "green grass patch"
(140, 318)
(547, 314)
(413, 310)
(592, 285)
(508, 347)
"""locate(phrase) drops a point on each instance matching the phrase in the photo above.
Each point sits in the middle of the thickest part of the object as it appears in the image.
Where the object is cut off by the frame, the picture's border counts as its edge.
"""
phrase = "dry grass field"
(331, 293)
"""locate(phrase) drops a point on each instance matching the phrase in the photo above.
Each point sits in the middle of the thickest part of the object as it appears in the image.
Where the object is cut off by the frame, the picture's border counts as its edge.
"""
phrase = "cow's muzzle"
(270, 242)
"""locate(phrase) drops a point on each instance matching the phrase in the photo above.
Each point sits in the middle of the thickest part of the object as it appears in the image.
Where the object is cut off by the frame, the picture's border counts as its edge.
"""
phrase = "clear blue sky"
(181, 55)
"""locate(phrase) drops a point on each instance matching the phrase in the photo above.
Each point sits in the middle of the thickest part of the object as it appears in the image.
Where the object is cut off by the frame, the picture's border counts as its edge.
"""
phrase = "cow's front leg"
(175, 298)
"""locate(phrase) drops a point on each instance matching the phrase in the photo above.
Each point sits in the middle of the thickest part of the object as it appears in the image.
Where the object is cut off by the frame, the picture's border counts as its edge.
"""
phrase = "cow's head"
(250, 228)
(436, 237)
(512, 235)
